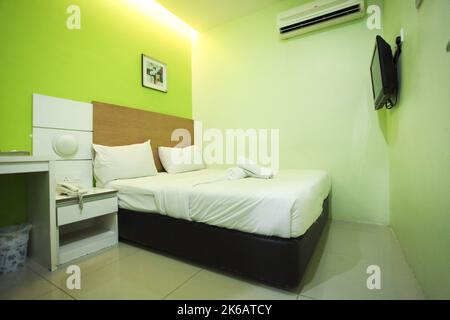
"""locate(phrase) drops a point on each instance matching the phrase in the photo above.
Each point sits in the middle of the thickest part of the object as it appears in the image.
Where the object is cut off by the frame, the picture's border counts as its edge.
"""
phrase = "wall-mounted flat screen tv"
(384, 75)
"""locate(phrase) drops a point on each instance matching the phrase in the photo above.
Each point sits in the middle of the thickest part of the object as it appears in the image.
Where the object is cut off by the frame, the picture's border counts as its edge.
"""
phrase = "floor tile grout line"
(57, 286)
(115, 261)
(182, 284)
(98, 269)
(51, 283)
(54, 284)
(39, 276)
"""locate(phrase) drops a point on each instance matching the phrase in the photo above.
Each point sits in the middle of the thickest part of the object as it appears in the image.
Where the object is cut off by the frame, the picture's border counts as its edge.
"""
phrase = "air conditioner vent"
(318, 14)
(330, 16)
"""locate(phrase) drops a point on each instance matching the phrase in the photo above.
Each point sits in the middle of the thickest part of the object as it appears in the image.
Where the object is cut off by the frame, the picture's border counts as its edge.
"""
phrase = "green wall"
(315, 89)
(419, 141)
(102, 62)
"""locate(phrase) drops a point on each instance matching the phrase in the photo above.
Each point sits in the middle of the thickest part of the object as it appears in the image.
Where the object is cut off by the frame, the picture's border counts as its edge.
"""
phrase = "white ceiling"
(206, 14)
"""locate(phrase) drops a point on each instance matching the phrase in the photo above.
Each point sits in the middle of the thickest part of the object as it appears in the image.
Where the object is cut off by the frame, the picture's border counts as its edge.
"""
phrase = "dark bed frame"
(275, 261)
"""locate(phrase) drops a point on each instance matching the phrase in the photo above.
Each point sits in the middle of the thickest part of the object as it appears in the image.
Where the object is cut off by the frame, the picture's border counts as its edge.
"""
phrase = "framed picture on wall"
(154, 74)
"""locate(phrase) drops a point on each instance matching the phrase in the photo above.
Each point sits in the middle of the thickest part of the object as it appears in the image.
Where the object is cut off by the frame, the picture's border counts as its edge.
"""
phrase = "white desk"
(41, 204)
(23, 164)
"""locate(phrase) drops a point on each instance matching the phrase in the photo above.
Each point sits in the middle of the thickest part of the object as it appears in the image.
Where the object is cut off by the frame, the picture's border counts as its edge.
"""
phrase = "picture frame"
(154, 74)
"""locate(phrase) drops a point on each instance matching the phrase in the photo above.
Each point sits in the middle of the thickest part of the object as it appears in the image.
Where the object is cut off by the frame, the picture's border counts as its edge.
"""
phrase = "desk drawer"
(72, 213)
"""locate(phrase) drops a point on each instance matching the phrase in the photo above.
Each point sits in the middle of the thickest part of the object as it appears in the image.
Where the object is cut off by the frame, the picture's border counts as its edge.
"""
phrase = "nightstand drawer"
(72, 213)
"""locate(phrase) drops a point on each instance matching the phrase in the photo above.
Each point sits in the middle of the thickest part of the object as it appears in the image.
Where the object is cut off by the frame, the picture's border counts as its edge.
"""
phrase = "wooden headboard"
(116, 126)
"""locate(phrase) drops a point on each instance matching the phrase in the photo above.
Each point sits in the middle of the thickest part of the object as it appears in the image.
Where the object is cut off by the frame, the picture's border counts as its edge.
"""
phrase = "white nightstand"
(85, 231)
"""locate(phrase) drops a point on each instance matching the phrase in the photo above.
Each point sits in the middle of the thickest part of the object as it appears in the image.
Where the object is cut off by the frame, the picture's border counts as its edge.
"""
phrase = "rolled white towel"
(255, 170)
(236, 173)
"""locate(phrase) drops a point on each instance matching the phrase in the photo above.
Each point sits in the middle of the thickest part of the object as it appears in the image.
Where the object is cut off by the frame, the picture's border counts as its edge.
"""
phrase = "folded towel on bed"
(254, 170)
(236, 173)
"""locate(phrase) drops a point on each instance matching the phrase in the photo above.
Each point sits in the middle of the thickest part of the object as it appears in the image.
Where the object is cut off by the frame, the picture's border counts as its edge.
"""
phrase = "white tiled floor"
(337, 271)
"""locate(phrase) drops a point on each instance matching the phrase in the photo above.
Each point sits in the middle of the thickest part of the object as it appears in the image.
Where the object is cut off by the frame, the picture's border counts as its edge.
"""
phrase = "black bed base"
(275, 261)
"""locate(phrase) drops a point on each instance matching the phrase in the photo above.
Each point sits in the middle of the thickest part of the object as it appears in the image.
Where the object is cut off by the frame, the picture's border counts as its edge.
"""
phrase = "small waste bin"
(13, 247)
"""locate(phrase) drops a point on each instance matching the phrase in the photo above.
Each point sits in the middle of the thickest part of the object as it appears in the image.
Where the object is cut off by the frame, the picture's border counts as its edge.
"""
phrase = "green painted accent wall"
(314, 88)
(102, 62)
(419, 141)
(13, 201)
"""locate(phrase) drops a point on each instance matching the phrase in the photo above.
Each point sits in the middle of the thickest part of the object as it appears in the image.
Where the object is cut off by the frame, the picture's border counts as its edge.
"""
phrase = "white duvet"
(285, 206)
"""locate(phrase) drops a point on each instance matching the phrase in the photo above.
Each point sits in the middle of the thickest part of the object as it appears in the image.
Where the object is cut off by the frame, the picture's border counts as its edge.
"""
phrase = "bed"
(264, 230)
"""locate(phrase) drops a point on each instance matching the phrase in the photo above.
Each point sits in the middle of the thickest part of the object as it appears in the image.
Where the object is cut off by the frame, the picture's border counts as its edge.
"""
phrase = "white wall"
(315, 89)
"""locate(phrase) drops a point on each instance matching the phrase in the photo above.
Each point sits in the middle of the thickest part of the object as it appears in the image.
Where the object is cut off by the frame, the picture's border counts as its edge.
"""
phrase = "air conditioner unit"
(317, 15)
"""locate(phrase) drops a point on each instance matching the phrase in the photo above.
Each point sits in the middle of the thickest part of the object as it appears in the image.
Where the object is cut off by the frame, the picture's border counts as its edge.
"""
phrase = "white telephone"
(71, 189)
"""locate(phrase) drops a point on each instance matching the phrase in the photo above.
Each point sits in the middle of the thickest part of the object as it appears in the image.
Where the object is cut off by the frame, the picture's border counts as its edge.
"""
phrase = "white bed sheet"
(285, 206)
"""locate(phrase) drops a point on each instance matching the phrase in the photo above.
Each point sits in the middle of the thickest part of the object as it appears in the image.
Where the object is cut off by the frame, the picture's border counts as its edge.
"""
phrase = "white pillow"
(124, 162)
(177, 160)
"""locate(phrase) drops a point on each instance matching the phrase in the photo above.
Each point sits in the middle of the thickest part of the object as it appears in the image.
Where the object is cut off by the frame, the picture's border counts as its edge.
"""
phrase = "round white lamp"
(65, 145)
